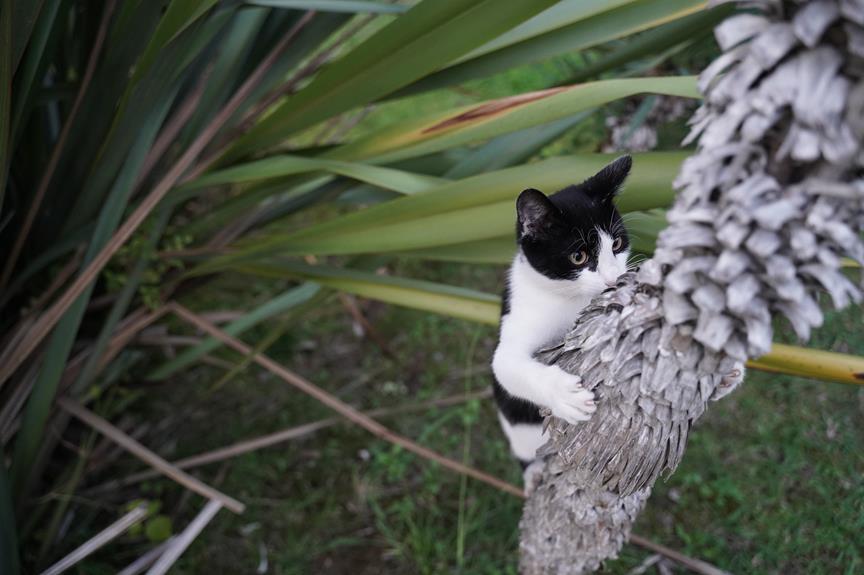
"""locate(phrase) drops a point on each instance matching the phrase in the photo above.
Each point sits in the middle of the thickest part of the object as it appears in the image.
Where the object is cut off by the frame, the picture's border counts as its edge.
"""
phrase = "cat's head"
(577, 235)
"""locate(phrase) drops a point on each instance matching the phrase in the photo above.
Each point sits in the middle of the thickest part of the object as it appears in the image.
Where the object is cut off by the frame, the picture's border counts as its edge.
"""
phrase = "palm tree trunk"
(766, 207)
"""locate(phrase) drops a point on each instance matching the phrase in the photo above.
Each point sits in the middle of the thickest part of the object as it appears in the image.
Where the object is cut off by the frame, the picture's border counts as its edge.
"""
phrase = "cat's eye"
(617, 244)
(579, 258)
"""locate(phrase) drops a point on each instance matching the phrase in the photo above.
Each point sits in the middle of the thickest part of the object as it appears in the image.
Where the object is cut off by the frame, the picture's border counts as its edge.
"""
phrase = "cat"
(572, 245)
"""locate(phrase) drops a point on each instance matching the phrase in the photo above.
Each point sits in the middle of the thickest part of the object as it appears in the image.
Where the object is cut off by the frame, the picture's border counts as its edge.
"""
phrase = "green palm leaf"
(420, 41)
(476, 208)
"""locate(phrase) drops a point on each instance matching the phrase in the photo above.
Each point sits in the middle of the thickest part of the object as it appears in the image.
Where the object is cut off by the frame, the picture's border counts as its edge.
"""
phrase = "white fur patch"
(609, 264)
(524, 439)
(541, 312)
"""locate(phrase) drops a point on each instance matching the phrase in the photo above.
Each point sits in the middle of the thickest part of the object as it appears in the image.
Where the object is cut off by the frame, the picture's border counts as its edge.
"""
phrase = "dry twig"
(148, 558)
(379, 430)
(340, 406)
(277, 437)
(179, 545)
(109, 533)
(148, 456)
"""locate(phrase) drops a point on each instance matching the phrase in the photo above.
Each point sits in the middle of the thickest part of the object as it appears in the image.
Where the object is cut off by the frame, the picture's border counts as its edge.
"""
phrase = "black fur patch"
(551, 229)
(514, 409)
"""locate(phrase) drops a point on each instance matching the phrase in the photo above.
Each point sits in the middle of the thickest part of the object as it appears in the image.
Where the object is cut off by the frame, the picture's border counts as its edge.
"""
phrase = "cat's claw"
(729, 382)
(569, 400)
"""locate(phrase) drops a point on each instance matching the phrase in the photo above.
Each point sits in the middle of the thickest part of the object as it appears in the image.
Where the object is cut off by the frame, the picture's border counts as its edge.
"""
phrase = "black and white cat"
(572, 246)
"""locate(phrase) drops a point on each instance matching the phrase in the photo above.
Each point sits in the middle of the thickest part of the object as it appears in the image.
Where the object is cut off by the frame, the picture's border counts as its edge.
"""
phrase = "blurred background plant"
(257, 157)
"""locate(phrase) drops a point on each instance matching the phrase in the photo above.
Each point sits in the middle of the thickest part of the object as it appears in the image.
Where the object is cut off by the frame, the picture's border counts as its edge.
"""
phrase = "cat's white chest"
(540, 310)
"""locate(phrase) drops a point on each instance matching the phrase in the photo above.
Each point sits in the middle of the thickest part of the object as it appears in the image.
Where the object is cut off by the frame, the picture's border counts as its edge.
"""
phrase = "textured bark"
(766, 207)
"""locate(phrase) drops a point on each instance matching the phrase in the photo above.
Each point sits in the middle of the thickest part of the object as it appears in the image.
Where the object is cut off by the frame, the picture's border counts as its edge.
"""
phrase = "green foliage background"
(378, 154)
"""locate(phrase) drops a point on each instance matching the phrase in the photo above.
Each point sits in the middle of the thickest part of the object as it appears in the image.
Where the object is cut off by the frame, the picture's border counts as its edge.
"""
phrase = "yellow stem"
(814, 363)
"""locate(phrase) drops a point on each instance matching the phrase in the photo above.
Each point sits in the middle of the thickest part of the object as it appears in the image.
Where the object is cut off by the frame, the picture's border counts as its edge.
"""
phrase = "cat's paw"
(568, 399)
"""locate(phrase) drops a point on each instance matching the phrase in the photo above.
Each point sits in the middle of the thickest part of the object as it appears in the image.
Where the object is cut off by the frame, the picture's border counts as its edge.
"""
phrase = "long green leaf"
(131, 29)
(513, 148)
(351, 6)
(562, 14)
(307, 41)
(498, 250)
(169, 69)
(300, 195)
(271, 308)
(643, 228)
(63, 337)
(567, 27)
(228, 68)
(428, 296)
(678, 32)
(485, 308)
(518, 147)
(465, 225)
(5, 92)
(425, 38)
(8, 530)
(284, 165)
(179, 15)
(24, 14)
(464, 125)
(25, 77)
(477, 208)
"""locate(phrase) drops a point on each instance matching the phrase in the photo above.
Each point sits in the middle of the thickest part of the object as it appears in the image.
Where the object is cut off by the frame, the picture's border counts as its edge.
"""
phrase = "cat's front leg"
(567, 398)
(544, 385)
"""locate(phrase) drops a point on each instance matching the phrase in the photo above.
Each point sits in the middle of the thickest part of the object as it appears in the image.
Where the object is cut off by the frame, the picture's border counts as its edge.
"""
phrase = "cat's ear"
(605, 184)
(537, 215)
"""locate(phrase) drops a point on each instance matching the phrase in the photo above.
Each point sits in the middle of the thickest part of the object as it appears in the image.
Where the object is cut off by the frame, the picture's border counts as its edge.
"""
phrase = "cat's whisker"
(635, 261)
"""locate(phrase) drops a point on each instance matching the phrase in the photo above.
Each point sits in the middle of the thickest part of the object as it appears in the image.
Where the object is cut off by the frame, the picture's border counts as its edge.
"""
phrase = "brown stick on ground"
(277, 437)
(104, 427)
(179, 545)
(99, 540)
(693, 564)
(379, 430)
(340, 406)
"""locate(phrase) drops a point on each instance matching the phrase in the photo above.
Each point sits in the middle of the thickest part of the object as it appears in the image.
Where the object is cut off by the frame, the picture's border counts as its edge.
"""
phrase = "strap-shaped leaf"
(178, 16)
(492, 118)
(5, 91)
(351, 6)
(417, 43)
(566, 27)
(476, 208)
(285, 165)
(485, 308)
(417, 294)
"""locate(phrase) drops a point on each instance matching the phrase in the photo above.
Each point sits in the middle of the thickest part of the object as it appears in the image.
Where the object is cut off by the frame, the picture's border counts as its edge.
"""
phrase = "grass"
(772, 481)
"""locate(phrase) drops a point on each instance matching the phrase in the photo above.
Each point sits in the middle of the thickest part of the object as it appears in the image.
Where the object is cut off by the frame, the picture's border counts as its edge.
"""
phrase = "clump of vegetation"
(253, 159)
